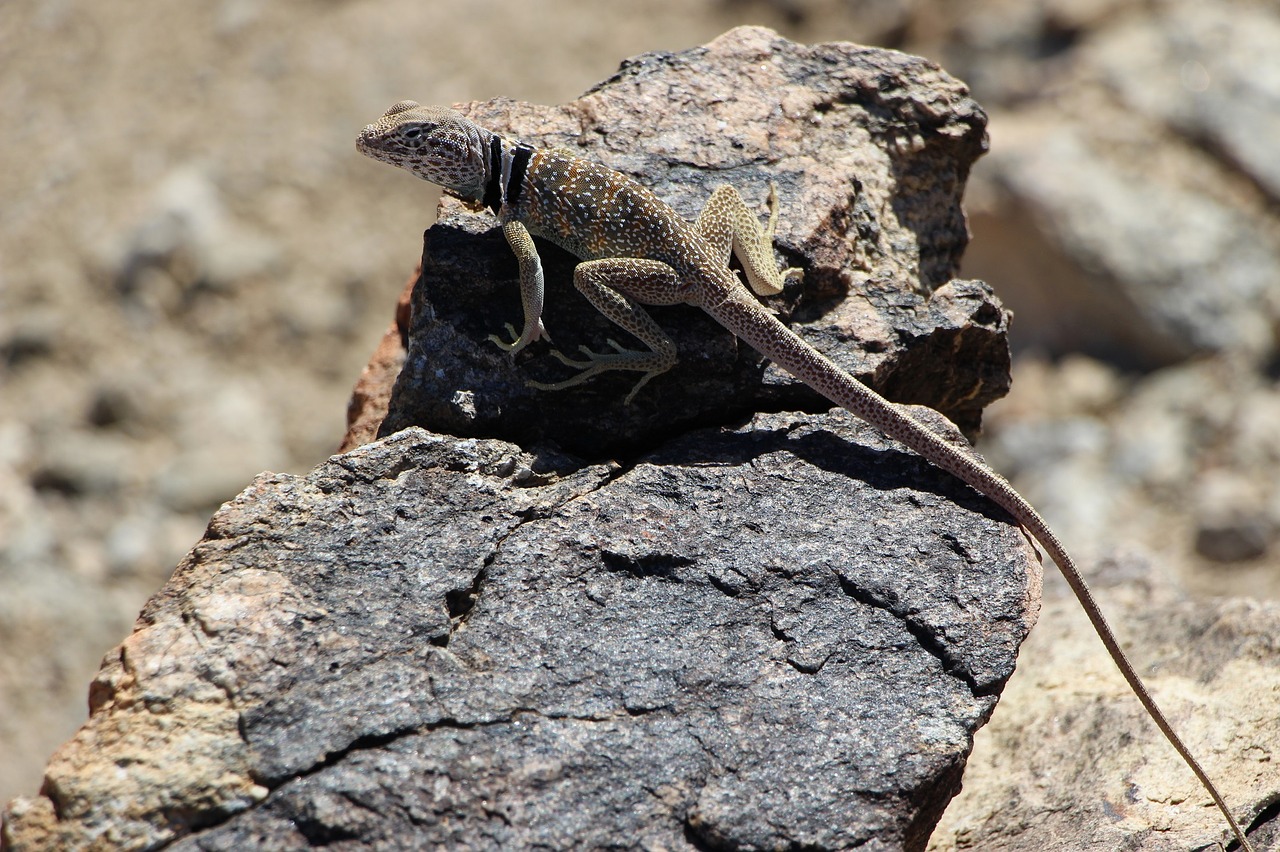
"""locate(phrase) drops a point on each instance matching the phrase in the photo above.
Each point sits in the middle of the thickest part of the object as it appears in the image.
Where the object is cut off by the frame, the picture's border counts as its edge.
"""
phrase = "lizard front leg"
(617, 286)
(728, 225)
(532, 289)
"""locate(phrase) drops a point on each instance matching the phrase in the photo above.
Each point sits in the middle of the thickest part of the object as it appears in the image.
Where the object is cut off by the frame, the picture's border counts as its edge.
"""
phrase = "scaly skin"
(637, 251)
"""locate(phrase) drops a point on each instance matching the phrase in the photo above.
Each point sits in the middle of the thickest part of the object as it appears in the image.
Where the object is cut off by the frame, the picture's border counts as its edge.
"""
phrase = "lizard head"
(435, 143)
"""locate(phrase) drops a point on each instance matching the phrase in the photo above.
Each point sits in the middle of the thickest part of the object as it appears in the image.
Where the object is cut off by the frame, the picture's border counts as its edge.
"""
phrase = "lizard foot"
(599, 362)
(519, 341)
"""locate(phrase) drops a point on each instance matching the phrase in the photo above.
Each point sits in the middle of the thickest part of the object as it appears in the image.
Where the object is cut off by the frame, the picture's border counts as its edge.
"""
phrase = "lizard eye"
(413, 133)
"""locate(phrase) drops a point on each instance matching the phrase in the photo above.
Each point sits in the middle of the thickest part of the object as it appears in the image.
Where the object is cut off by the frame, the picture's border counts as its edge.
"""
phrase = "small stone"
(1232, 519)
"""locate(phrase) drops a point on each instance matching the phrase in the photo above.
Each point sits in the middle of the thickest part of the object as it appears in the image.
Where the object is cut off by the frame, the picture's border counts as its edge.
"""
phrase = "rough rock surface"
(371, 397)
(436, 640)
(870, 150)
(1069, 763)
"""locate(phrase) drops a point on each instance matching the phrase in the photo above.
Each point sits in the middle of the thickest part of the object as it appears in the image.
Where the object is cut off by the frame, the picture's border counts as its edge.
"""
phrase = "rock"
(870, 150)
(1070, 762)
(1207, 70)
(372, 394)
(190, 238)
(1128, 207)
(85, 191)
(495, 648)
(1140, 297)
(1233, 521)
(1184, 462)
(83, 462)
(214, 437)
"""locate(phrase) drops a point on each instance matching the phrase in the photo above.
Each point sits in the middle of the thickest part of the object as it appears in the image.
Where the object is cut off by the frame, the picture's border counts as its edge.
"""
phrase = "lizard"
(637, 251)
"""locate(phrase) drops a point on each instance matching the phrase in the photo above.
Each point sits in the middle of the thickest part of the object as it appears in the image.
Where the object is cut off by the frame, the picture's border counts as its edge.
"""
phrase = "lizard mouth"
(370, 143)
(364, 141)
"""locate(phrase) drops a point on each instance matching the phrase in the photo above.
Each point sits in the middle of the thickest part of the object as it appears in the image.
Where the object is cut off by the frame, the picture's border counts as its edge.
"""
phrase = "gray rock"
(435, 640)
(190, 233)
(1145, 248)
(1233, 521)
(1209, 70)
(1068, 763)
(1128, 208)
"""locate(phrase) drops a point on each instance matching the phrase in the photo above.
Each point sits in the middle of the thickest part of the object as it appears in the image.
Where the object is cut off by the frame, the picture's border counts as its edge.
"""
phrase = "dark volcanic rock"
(434, 640)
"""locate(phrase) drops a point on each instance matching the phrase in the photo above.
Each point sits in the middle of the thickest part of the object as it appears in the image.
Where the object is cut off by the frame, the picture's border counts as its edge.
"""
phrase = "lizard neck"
(506, 168)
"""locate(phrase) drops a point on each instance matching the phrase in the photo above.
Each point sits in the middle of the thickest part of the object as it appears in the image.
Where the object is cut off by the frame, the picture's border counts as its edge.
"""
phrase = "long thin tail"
(902, 427)
(745, 318)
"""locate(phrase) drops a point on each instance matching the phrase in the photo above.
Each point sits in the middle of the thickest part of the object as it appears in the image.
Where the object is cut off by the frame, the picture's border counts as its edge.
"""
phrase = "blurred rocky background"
(195, 264)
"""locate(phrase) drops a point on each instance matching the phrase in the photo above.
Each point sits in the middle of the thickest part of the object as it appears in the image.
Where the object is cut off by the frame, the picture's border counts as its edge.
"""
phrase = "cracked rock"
(779, 635)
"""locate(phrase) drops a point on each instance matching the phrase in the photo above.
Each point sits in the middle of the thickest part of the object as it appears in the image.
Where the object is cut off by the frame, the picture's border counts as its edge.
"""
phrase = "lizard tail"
(749, 321)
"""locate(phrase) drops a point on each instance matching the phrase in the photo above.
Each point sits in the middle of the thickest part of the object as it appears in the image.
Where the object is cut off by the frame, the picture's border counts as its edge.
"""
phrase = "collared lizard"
(637, 251)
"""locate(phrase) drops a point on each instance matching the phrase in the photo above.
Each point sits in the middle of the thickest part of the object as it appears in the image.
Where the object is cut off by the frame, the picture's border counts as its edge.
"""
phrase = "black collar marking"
(519, 163)
(493, 189)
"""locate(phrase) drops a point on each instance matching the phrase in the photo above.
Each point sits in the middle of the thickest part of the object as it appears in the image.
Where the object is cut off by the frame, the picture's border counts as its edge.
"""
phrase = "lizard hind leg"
(616, 287)
(729, 226)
